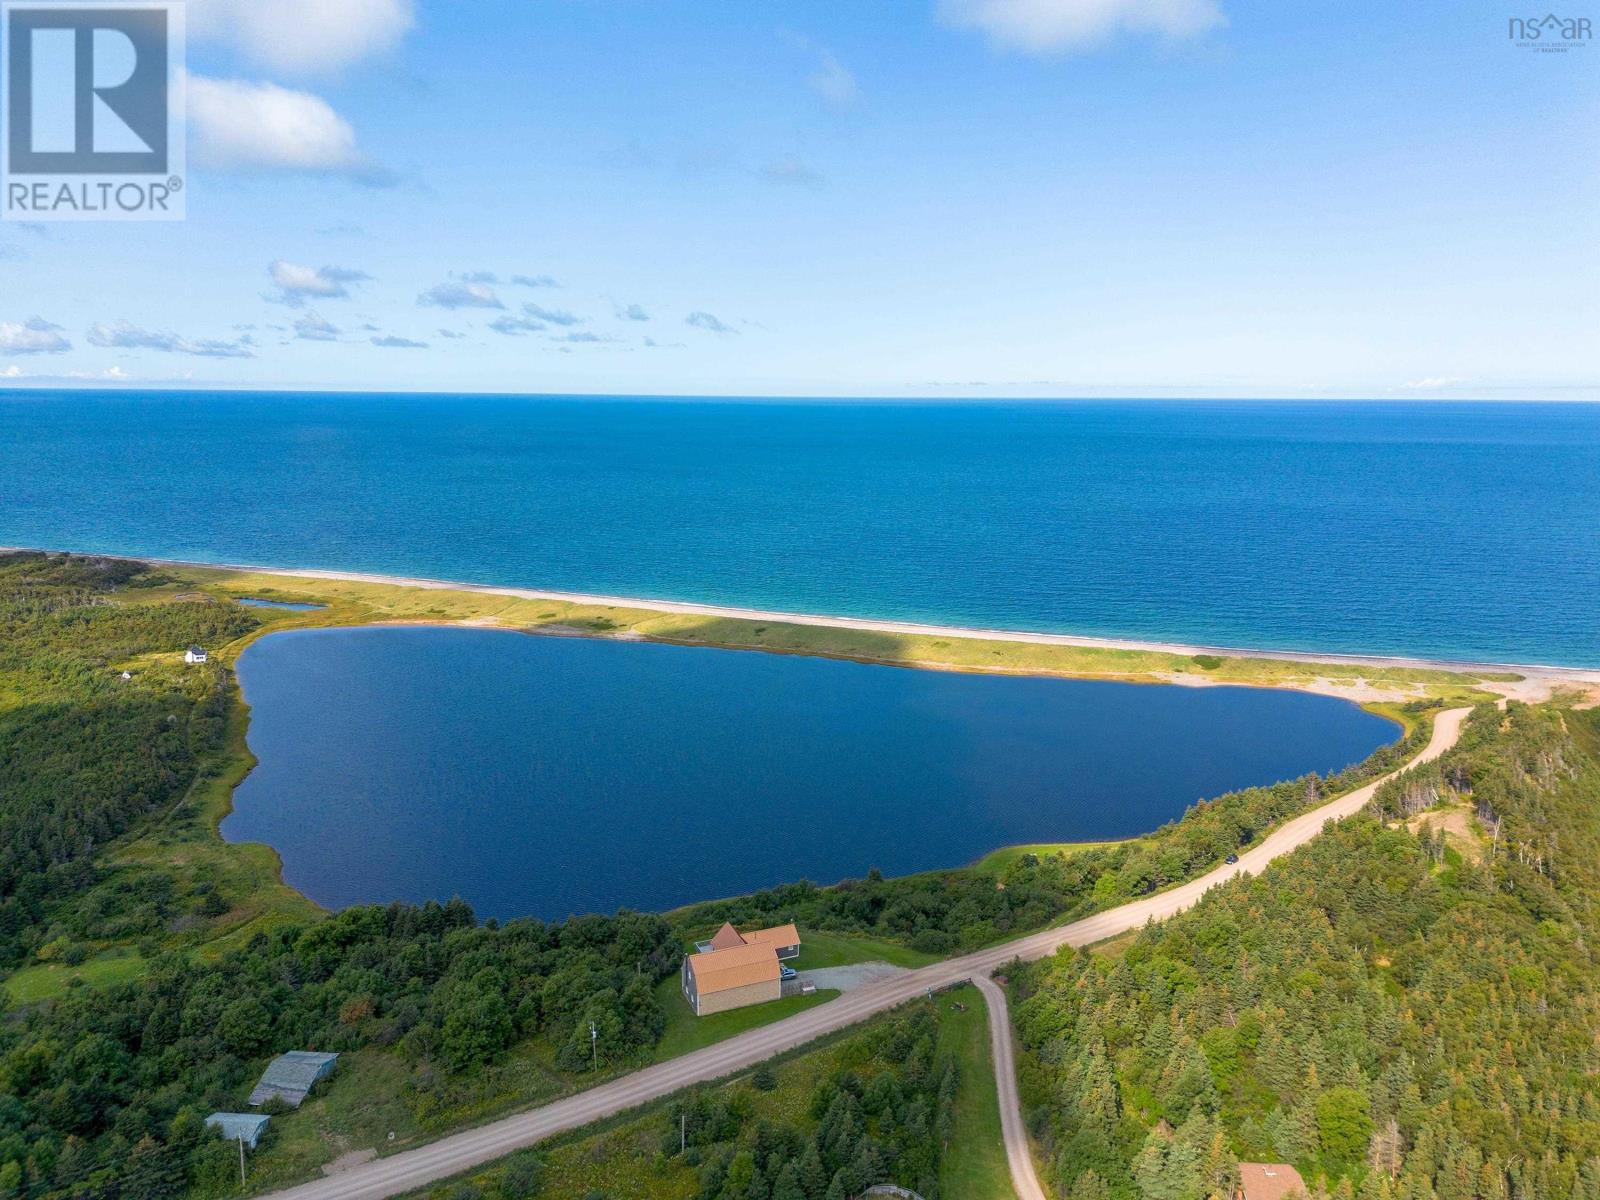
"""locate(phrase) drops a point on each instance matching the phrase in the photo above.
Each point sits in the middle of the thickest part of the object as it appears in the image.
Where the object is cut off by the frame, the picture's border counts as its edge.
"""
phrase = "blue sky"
(930, 197)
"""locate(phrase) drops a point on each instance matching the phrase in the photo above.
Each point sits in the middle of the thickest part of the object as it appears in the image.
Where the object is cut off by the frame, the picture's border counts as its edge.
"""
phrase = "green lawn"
(686, 1032)
(821, 949)
(974, 1166)
(49, 981)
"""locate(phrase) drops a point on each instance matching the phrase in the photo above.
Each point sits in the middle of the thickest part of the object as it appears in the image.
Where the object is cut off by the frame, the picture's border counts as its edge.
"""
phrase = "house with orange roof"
(1269, 1181)
(733, 969)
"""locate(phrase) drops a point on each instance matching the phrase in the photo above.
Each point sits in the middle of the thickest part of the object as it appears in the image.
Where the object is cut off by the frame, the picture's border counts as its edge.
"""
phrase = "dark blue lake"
(543, 776)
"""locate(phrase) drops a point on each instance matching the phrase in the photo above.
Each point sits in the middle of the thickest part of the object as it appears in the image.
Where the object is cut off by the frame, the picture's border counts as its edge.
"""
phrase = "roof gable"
(777, 935)
(737, 966)
(1270, 1181)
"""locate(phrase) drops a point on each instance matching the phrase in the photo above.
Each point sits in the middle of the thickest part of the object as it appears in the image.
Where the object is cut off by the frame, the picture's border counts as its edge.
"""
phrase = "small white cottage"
(194, 654)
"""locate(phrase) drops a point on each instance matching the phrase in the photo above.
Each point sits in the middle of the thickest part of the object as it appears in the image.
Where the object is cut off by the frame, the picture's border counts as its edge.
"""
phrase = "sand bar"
(1538, 679)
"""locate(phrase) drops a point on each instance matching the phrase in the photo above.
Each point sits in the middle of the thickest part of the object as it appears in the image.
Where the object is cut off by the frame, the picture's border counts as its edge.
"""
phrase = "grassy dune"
(352, 602)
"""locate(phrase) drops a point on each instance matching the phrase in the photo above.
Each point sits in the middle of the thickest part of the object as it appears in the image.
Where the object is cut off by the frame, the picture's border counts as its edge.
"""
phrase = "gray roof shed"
(246, 1127)
(291, 1076)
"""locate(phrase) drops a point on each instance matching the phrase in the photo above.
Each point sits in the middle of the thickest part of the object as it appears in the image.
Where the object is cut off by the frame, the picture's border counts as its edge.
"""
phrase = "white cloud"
(395, 342)
(296, 284)
(832, 80)
(33, 336)
(555, 316)
(516, 326)
(303, 35)
(243, 125)
(110, 375)
(315, 328)
(535, 281)
(123, 335)
(632, 312)
(460, 294)
(1049, 26)
(1432, 383)
(708, 322)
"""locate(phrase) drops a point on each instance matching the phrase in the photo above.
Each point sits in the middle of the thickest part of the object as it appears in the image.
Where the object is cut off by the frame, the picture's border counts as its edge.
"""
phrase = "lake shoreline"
(1525, 681)
(458, 748)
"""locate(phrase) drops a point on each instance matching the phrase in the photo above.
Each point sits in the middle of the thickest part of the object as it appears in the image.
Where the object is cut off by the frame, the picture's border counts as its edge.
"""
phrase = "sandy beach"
(1537, 681)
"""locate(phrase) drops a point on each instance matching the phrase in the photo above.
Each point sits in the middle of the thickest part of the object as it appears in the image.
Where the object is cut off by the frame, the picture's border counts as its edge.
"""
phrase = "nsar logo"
(1549, 34)
(92, 110)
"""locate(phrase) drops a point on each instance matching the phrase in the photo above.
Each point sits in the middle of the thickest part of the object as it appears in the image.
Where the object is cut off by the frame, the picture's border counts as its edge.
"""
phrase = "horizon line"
(1591, 396)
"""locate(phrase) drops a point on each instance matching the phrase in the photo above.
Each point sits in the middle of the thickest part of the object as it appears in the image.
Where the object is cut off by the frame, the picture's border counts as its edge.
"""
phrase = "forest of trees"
(85, 755)
(103, 1095)
(1400, 1020)
(889, 1126)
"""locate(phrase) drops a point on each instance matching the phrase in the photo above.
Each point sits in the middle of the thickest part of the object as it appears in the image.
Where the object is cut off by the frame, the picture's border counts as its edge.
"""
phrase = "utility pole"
(594, 1042)
(683, 1132)
(241, 1160)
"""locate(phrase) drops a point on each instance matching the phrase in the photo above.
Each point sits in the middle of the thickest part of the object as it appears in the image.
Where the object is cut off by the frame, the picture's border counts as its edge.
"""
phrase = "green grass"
(997, 861)
(356, 1109)
(184, 841)
(375, 1092)
(50, 981)
(686, 1032)
(974, 1166)
(820, 949)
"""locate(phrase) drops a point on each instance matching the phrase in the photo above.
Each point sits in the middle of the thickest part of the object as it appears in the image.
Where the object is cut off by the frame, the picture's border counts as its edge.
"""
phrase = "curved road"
(1024, 1179)
(459, 1152)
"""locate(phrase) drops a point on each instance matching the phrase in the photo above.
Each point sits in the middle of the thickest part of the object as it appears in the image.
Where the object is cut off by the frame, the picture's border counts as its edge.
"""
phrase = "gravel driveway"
(846, 979)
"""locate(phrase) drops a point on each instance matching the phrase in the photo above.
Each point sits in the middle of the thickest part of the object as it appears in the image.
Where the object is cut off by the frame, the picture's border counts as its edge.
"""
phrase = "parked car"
(1231, 859)
(787, 972)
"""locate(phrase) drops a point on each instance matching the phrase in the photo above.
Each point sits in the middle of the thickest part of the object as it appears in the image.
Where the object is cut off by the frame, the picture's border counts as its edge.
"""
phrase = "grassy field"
(686, 1032)
(821, 949)
(46, 981)
(996, 861)
(974, 1166)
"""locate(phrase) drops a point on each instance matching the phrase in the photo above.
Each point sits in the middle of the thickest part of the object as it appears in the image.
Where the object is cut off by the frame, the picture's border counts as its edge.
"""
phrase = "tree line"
(1397, 1020)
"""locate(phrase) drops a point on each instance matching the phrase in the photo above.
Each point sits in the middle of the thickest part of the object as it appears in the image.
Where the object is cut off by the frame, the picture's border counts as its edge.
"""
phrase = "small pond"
(290, 605)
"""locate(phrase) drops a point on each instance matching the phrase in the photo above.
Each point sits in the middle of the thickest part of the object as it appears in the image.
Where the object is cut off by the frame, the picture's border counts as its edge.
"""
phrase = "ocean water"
(541, 775)
(1465, 531)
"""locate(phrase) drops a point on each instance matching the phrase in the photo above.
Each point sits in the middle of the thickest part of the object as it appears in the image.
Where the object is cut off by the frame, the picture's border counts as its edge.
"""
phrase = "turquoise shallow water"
(537, 775)
(1451, 530)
